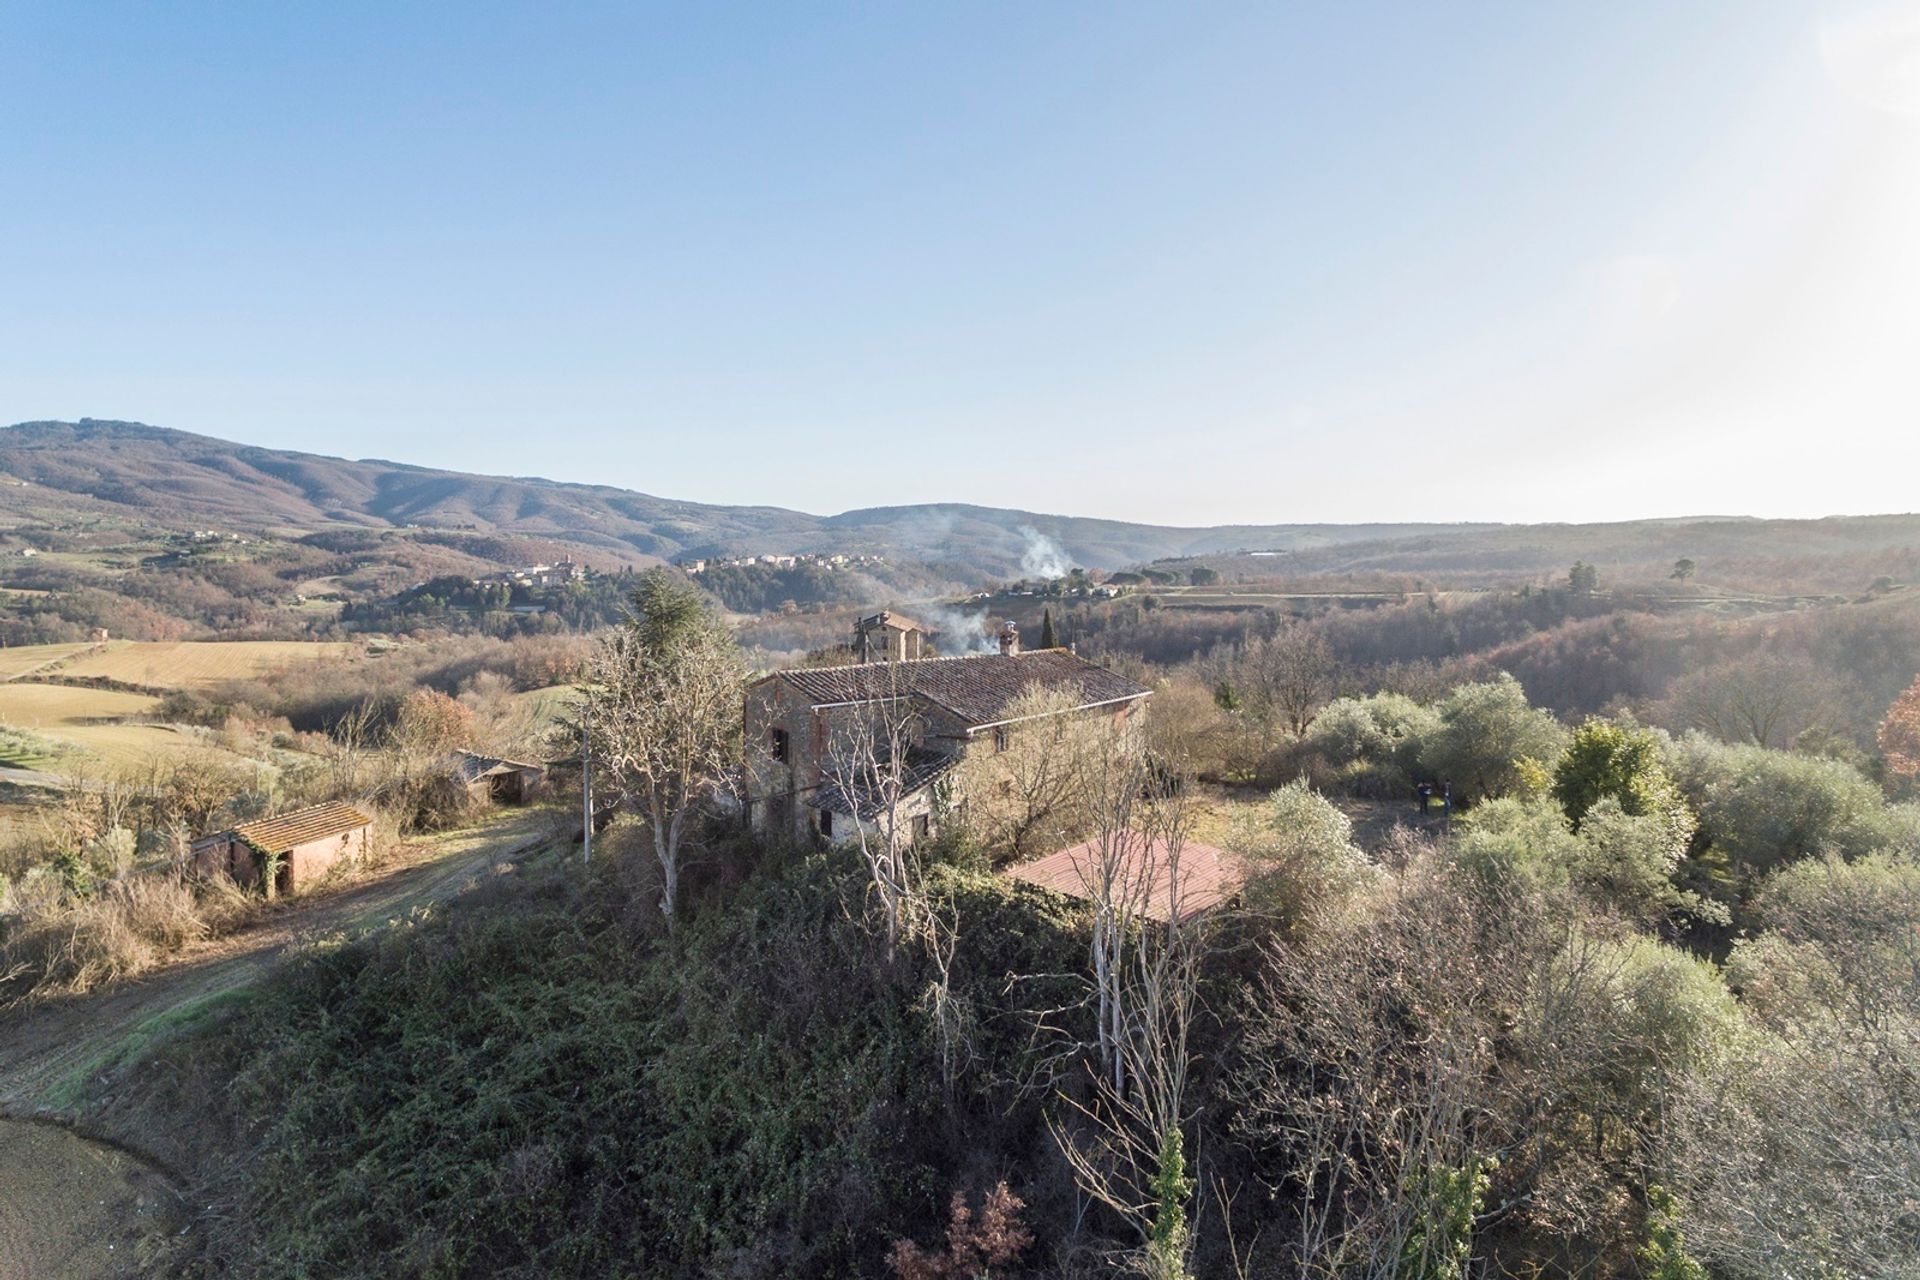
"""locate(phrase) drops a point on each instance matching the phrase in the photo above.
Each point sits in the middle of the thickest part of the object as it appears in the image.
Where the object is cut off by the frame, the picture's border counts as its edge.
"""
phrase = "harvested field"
(91, 720)
(22, 659)
(189, 664)
(33, 706)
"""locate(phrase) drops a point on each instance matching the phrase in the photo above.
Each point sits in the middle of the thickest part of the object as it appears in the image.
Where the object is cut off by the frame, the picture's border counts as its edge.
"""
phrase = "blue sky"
(1185, 264)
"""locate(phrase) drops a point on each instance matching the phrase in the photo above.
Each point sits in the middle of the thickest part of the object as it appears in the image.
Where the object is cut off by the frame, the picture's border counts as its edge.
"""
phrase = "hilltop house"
(299, 847)
(793, 720)
(888, 637)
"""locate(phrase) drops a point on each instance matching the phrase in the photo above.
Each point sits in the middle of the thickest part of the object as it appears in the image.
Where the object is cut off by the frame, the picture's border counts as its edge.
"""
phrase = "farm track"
(45, 1046)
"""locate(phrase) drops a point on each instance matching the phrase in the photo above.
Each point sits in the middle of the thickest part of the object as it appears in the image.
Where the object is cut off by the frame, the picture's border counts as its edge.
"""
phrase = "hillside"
(178, 479)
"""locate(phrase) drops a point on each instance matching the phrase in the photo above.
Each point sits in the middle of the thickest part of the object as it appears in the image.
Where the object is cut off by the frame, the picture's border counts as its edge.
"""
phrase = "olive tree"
(1763, 809)
(1302, 863)
(1489, 737)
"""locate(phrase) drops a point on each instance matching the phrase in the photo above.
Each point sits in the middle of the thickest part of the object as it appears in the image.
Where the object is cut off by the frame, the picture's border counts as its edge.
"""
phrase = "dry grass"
(91, 720)
(190, 664)
(127, 928)
(21, 659)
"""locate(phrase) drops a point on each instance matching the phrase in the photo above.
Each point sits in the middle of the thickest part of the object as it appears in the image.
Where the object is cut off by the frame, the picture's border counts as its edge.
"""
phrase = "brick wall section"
(308, 862)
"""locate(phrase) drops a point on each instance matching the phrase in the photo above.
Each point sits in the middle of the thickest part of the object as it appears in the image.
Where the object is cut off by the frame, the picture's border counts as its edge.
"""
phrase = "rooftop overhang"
(1044, 715)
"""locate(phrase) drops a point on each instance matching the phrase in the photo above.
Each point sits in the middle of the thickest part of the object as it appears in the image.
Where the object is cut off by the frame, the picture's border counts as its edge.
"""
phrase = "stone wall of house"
(308, 862)
(223, 855)
(775, 787)
(777, 790)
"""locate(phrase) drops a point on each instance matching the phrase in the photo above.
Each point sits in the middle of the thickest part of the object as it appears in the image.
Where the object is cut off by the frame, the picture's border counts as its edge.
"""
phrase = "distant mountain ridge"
(176, 478)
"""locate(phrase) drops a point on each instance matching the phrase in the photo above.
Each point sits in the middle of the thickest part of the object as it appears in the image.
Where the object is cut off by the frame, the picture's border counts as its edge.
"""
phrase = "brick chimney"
(1009, 638)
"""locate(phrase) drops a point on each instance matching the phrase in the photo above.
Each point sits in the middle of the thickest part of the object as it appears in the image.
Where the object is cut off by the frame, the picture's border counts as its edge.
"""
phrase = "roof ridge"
(931, 658)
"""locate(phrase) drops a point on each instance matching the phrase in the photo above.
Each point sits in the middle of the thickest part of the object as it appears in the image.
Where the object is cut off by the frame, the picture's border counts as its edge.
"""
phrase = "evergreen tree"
(1047, 638)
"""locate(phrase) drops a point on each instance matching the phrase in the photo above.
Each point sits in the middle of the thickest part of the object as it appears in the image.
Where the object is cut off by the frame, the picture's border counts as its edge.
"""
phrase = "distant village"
(562, 573)
(831, 561)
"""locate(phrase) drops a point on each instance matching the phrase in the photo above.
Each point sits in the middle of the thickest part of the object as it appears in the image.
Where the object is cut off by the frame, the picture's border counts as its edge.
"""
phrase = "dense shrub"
(1488, 738)
(1304, 868)
(1799, 1156)
(759, 1095)
(1762, 809)
(1371, 746)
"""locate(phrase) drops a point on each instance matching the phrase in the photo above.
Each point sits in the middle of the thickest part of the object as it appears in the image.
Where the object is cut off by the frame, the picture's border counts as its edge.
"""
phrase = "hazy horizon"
(1066, 512)
(1385, 265)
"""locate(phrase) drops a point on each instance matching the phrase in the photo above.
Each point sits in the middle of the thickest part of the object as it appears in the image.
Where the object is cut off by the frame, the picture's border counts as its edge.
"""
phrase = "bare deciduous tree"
(868, 774)
(1027, 798)
(1126, 1145)
(1766, 699)
(662, 703)
(1286, 678)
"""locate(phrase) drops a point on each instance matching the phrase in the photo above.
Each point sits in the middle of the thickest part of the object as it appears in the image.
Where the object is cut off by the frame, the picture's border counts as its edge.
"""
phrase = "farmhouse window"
(779, 746)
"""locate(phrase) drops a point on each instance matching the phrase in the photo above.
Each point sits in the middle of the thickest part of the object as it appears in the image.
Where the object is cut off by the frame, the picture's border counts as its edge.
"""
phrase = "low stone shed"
(300, 846)
(497, 778)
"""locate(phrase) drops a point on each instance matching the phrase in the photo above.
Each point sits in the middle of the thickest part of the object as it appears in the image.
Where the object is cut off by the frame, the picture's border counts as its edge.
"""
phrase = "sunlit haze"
(1163, 263)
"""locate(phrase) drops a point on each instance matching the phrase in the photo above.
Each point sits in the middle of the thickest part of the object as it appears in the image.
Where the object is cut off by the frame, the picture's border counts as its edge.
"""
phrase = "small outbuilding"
(496, 778)
(299, 847)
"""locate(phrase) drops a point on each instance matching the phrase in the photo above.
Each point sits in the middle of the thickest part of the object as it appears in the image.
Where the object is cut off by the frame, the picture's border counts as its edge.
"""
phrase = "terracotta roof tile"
(1208, 876)
(315, 822)
(978, 688)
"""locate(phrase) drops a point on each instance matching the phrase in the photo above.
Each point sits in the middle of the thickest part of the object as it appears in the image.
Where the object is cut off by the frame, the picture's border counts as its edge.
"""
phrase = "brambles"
(976, 1243)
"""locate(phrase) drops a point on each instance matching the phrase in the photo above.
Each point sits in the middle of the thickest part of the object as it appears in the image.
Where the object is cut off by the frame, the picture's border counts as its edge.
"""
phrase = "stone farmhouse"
(960, 705)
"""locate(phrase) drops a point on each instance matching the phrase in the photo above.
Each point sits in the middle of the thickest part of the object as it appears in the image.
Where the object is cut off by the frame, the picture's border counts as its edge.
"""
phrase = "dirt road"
(46, 1050)
(72, 1208)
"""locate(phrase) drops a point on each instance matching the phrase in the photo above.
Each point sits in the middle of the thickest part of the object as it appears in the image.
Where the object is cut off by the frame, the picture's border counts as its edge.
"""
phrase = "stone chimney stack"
(1009, 638)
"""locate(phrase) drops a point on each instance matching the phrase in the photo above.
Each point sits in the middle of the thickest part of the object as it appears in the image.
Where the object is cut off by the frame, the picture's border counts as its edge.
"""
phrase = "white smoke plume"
(959, 632)
(1043, 557)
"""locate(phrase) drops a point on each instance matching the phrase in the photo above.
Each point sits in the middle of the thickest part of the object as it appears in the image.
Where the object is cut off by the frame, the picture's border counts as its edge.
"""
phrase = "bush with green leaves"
(1620, 862)
(1664, 1254)
(1762, 809)
(1371, 745)
(1799, 1156)
(1304, 866)
(1490, 739)
(1608, 760)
